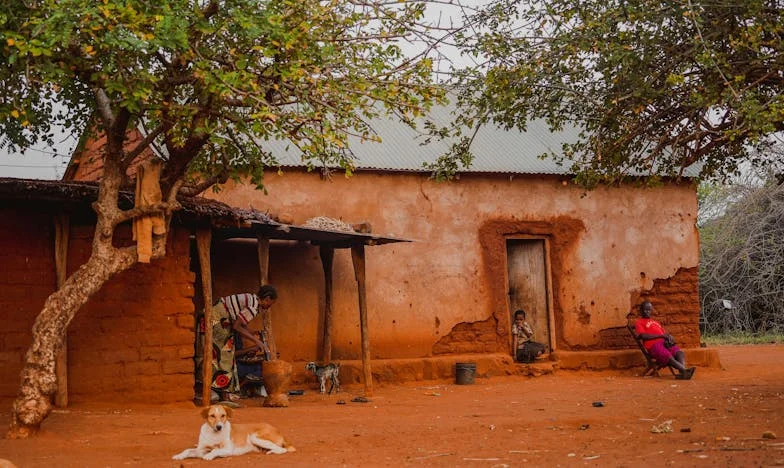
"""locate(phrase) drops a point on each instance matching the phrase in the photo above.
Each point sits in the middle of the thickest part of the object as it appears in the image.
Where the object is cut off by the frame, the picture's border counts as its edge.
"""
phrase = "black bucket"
(464, 373)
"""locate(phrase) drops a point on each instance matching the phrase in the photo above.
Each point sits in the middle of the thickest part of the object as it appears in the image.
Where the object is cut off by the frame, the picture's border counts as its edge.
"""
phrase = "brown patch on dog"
(240, 433)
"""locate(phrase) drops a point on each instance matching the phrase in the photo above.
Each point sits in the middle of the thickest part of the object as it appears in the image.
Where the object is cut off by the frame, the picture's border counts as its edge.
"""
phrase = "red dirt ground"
(717, 419)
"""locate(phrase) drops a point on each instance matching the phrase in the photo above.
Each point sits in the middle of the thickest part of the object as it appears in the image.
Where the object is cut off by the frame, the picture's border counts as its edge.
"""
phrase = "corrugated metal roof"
(402, 148)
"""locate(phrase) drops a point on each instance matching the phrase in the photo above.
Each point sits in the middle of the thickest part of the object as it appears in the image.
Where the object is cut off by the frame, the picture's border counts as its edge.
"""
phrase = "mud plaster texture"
(444, 292)
(133, 339)
(492, 335)
(677, 308)
(135, 336)
(446, 298)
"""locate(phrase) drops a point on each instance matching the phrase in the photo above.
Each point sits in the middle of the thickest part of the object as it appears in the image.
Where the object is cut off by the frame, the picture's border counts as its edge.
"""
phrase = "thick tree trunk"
(38, 382)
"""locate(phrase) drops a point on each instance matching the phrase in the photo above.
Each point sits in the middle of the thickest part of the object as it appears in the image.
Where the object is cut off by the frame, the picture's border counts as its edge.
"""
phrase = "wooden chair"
(653, 366)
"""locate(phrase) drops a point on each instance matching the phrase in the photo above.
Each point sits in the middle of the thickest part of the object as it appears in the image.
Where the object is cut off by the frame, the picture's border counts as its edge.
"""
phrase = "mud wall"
(135, 337)
(27, 277)
(132, 340)
(676, 307)
(446, 292)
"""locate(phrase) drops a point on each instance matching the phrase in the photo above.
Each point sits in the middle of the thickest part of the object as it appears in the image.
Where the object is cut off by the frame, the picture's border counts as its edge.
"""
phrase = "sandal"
(228, 396)
(686, 374)
(230, 404)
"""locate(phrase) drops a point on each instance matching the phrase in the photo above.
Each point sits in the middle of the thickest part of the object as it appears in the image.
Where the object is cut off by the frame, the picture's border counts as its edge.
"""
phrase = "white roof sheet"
(402, 148)
(495, 149)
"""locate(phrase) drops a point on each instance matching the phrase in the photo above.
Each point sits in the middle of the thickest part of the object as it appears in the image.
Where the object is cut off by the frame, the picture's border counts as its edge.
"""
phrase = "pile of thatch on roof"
(332, 224)
(324, 222)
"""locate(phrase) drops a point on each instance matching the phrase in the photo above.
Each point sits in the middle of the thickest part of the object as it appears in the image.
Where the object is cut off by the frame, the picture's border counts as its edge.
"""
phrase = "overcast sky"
(39, 162)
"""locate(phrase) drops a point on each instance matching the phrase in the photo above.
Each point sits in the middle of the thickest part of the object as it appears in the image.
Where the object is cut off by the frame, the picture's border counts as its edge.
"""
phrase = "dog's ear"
(205, 412)
(228, 412)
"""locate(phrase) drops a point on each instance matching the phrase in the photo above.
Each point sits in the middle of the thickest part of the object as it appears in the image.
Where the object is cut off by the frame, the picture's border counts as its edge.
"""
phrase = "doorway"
(529, 286)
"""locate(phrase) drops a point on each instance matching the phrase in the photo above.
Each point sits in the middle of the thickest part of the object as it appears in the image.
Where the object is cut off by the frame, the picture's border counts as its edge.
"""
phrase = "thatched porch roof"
(227, 221)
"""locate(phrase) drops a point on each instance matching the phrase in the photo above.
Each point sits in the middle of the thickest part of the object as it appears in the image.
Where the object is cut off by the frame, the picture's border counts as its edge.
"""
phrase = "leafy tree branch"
(649, 88)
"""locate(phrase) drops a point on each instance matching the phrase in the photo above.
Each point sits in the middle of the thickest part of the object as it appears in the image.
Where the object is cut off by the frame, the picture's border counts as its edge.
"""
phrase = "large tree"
(205, 83)
(651, 87)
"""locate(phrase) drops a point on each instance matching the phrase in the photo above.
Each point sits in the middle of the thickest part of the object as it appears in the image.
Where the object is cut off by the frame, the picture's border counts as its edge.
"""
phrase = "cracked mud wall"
(562, 234)
(446, 292)
(676, 305)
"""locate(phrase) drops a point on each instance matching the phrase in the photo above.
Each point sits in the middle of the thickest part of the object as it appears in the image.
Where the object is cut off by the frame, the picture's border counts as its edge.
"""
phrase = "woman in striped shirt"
(229, 315)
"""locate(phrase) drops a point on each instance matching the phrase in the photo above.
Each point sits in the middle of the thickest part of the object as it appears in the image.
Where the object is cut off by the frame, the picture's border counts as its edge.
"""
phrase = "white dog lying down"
(220, 438)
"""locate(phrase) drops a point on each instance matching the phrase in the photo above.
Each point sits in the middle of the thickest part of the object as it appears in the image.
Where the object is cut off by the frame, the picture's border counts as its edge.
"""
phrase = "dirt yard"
(724, 417)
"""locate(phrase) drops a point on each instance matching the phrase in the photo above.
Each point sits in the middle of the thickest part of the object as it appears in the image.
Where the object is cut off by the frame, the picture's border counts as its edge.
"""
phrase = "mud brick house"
(134, 336)
(511, 232)
(134, 339)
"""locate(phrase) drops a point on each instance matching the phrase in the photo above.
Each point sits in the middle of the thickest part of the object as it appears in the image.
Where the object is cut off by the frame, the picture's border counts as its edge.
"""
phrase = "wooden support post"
(327, 254)
(358, 258)
(263, 249)
(61, 233)
(203, 244)
(266, 315)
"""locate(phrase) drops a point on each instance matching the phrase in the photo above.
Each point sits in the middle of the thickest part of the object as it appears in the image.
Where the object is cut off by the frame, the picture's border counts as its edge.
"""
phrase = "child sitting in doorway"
(526, 350)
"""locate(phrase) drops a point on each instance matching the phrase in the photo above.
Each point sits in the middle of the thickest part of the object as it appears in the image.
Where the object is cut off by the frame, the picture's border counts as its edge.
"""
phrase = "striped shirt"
(241, 306)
